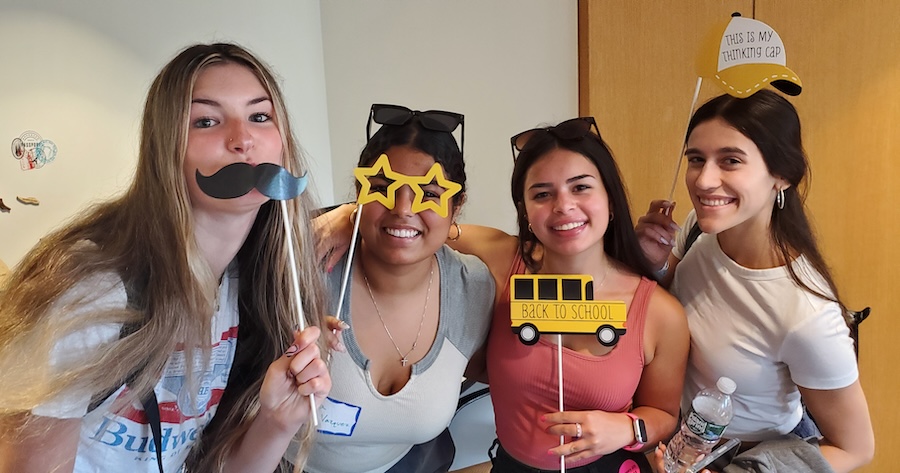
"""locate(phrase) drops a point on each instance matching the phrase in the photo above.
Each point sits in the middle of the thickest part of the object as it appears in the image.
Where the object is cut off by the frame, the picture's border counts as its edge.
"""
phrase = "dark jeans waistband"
(503, 462)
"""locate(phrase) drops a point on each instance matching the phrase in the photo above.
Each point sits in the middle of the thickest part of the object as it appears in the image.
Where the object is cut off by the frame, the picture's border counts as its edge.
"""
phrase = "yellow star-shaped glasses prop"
(382, 167)
(436, 173)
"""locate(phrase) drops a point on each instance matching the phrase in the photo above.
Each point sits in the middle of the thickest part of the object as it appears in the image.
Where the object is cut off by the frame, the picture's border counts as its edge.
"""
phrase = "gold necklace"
(403, 358)
(605, 274)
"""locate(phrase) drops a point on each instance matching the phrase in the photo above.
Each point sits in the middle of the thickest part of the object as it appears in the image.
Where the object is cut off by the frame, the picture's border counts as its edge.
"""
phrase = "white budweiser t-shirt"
(123, 441)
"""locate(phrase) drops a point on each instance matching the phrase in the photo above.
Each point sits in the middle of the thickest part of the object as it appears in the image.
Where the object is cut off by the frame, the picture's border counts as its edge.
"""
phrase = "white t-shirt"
(760, 329)
(124, 442)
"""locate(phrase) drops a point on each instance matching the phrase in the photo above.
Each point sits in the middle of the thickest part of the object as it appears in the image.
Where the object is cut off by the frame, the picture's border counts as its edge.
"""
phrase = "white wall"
(77, 73)
(508, 65)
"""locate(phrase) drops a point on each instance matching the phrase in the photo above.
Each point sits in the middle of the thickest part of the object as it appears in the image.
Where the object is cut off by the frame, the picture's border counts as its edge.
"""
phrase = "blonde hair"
(146, 236)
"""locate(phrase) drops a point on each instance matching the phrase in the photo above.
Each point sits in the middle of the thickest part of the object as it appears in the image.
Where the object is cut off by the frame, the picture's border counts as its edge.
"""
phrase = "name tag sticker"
(338, 418)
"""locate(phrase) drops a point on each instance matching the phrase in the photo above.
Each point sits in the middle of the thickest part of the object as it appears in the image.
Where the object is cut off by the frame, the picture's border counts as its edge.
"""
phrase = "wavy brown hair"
(146, 237)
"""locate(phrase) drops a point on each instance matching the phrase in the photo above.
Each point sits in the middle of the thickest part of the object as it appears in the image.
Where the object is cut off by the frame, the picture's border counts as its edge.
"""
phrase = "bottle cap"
(726, 385)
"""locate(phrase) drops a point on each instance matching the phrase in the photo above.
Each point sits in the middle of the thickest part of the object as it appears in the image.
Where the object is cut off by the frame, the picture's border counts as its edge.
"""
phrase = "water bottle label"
(703, 429)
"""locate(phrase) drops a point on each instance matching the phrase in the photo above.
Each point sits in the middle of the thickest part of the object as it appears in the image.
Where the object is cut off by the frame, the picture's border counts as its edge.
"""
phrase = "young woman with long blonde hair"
(149, 293)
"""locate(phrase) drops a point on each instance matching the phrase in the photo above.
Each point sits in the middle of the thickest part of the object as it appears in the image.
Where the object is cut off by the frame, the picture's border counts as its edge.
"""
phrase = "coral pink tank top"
(524, 379)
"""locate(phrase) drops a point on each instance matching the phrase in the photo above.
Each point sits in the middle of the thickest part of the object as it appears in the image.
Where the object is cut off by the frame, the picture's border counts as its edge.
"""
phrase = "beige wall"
(637, 77)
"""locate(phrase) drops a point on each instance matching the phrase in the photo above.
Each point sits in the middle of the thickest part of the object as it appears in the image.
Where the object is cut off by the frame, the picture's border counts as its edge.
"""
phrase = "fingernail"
(674, 227)
(663, 241)
(543, 418)
(344, 325)
(672, 242)
(329, 269)
(291, 351)
(341, 348)
(550, 452)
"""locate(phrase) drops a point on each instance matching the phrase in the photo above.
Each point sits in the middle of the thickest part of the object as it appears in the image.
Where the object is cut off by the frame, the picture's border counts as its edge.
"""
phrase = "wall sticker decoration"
(32, 151)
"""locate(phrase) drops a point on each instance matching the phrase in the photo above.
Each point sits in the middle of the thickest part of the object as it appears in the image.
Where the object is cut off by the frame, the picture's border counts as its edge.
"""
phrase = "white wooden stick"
(297, 299)
(684, 138)
(346, 275)
(562, 438)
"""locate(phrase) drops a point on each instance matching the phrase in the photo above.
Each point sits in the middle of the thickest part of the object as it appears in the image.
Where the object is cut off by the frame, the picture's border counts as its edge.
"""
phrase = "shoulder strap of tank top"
(637, 313)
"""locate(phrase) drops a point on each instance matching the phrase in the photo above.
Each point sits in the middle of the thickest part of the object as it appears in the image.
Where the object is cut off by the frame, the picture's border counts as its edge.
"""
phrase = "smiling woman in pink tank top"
(619, 400)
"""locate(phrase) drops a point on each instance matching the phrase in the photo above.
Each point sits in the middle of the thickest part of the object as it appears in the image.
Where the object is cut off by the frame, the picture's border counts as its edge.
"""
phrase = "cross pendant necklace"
(404, 358)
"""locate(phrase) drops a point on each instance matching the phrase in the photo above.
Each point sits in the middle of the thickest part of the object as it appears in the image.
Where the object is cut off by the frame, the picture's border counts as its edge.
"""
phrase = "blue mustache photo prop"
(237, 179)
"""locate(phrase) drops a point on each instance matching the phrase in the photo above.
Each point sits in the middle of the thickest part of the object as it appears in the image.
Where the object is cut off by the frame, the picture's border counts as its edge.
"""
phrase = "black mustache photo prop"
(237, 179)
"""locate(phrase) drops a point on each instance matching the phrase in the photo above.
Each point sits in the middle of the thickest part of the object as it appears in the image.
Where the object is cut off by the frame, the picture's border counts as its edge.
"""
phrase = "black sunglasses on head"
(569, 130)
(435, 120)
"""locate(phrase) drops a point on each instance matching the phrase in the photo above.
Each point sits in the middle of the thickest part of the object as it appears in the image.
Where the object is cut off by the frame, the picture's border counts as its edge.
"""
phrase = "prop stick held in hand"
(298, 301)
(684, 143)
(277, 183)
(346, 276)
(562, 438)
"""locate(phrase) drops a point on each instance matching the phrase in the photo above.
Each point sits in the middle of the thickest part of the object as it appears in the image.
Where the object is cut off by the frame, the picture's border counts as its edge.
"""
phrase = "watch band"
(640, 433)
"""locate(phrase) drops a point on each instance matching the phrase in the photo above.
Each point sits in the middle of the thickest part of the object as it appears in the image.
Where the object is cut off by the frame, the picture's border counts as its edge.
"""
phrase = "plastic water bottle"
(702, 427)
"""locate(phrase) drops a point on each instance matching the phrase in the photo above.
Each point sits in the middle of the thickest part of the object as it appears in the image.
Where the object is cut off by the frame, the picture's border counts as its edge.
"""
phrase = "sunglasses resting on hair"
(397, 115)
(569, 130)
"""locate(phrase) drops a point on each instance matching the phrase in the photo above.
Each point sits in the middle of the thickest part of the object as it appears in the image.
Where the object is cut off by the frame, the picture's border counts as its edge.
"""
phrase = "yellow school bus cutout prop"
(562, 303)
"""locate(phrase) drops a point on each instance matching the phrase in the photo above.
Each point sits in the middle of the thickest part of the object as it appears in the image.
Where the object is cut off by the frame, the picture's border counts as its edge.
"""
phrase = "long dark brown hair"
(772, 123)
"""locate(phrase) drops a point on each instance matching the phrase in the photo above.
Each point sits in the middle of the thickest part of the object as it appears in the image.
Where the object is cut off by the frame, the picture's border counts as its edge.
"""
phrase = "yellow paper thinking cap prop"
(742, 55)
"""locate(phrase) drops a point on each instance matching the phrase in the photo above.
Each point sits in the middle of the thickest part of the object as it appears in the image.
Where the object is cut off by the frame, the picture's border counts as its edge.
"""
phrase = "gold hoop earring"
(458, 232)
(779, 199)
(529, 229)
(353, 216)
